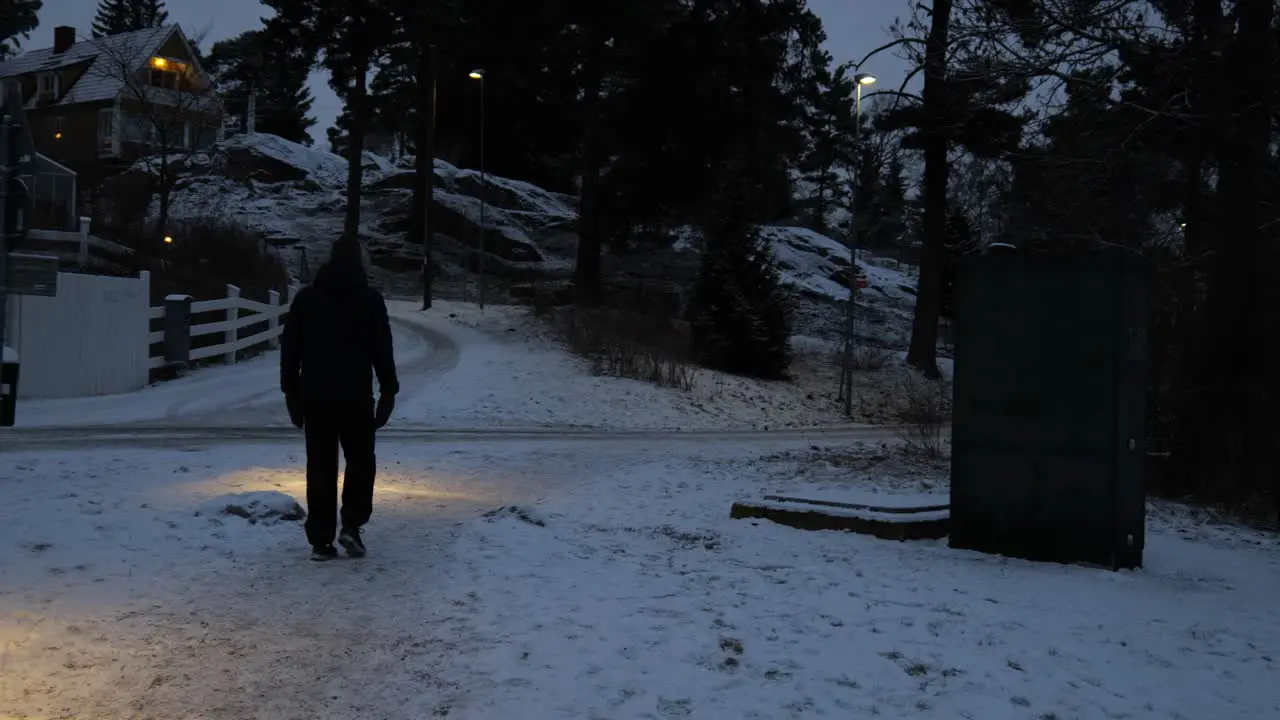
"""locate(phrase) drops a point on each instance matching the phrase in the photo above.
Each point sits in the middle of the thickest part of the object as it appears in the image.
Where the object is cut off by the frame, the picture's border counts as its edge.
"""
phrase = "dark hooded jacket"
(336, 337)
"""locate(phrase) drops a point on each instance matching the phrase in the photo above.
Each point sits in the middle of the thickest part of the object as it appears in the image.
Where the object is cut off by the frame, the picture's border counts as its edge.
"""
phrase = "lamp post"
(478, 76)
(846, 374)
(430, 200)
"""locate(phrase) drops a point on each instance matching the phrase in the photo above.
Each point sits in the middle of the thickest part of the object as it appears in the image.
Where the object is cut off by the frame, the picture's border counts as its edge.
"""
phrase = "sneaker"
(350, 541)
(320, 553)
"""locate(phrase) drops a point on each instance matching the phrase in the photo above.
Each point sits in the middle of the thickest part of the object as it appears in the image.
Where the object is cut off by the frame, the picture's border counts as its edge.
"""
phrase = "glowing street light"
(168, 239)
(864, 79)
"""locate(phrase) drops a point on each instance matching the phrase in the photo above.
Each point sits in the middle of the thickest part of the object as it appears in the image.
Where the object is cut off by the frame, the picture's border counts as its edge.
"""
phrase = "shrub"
(870, 357)
(207, 254)
(924, 412)
(628, 344)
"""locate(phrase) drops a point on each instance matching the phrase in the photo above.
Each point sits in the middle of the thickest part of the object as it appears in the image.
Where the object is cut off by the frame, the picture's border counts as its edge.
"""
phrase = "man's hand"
(382, 414)
(294, 405)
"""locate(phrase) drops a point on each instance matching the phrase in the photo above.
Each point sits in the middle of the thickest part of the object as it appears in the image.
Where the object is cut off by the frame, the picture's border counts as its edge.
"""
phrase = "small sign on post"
(28, 274)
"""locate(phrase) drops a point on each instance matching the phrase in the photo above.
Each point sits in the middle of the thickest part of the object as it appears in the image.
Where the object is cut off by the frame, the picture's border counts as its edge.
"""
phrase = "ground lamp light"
(478, 75)
(846, 369)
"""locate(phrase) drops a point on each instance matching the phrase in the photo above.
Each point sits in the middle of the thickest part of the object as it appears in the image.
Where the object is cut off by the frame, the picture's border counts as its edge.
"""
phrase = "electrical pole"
(429, 197)
(478, 75)
(846, 369)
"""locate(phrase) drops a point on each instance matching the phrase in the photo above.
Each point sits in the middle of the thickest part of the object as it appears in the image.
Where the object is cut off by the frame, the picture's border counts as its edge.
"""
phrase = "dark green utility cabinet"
(1049, 410)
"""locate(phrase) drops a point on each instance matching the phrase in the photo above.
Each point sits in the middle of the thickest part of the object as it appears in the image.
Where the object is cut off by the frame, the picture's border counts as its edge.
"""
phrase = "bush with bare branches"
(924, 413)
(629, 344)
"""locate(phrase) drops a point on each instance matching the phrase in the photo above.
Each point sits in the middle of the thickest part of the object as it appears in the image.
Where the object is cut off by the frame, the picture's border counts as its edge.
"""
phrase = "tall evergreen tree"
(255, 63)
(17, 19)
(961, 106)
(828, 126)
(347, 38)
(121, 16)
(739, 311)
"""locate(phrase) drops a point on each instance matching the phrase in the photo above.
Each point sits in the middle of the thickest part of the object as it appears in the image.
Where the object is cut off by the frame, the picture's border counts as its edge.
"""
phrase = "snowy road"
(200, 436)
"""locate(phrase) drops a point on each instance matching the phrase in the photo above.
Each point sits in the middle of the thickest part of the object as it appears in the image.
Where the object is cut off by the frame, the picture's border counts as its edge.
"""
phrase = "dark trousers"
(327, 428)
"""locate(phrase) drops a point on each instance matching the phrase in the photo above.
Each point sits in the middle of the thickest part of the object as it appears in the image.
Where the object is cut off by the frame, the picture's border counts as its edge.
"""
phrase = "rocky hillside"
(295, 196)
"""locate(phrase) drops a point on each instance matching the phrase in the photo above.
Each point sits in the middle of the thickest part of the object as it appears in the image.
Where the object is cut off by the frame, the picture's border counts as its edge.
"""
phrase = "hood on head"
(344, 270)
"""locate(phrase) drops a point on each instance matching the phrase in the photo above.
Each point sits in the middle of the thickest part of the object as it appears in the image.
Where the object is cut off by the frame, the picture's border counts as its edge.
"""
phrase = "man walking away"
(336, 338)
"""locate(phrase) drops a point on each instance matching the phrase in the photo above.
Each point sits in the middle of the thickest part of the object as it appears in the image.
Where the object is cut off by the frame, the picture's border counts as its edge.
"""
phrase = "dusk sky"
(854, 27)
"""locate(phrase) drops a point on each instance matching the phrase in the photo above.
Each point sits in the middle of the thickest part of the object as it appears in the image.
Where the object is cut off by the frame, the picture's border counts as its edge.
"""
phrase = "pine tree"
(740, 313)
(828, 126)
(17, 19)
(256, 63)
(121, 16)
(348, 38)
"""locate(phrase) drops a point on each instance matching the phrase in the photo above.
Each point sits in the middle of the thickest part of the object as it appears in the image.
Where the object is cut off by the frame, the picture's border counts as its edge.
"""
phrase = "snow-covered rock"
(295, 195)
(271, 159)
(264, 507)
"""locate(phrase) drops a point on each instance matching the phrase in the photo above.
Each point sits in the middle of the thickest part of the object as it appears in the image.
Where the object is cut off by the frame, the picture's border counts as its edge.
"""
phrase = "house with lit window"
(96, 105)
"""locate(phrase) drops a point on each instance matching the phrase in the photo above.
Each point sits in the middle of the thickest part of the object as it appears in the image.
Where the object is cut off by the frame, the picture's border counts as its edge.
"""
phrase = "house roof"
(104, 79)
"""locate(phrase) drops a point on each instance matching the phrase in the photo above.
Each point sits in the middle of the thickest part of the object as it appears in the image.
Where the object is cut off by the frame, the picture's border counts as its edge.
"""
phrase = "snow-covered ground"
(602, 580)
(637, 596)
(512, 371)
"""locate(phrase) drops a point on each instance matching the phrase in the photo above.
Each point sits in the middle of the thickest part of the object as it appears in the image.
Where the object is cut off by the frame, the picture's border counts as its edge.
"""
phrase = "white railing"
(233, 305)
(82, 240)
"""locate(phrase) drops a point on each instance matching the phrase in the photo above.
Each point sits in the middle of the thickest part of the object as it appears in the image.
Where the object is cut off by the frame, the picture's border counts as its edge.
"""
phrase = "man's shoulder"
(302, 296)
(375, 296)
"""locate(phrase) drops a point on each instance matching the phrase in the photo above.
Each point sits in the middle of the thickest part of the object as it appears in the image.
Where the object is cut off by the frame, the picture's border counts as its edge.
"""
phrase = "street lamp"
(846, 370)
(478, 76)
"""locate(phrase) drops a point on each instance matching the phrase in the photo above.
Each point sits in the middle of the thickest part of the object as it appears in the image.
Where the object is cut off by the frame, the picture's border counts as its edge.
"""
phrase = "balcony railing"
(53, 196)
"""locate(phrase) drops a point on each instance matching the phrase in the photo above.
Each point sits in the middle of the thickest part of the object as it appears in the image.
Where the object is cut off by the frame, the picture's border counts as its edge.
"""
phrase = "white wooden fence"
(239, 313)
(95, 338)
(90, 339)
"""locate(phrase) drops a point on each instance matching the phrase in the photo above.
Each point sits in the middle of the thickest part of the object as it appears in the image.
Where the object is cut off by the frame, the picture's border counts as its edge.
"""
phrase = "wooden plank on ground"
(887, 523)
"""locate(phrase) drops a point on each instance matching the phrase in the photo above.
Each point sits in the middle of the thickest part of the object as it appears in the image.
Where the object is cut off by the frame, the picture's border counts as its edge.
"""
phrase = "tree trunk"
(424, 166)
(923, 351)
(1226, 431)
(355, 145)
(586, 274)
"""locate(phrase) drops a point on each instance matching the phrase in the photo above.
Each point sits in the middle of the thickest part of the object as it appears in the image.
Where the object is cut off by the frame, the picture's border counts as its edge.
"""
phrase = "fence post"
(273, 299)
(233, 314)
(84, 242)
(177, 332)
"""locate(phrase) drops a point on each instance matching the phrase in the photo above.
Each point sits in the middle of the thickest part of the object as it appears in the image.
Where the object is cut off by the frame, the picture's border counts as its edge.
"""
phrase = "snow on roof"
(102, 80)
